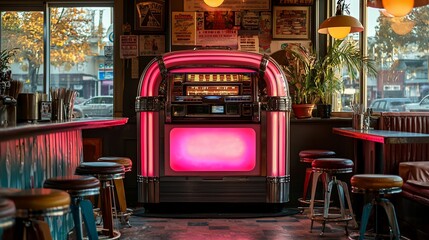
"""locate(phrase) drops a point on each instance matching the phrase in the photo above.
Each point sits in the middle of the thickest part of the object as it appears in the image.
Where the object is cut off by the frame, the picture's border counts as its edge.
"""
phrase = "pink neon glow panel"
(212, 149)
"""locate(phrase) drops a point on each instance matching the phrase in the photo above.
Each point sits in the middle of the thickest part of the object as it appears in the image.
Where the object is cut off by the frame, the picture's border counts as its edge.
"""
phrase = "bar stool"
(307, 156)
(106, 172)
(7, 214)
(330, 167)
(33, 205)
(123, 212)
(79, 187)
(377, 186)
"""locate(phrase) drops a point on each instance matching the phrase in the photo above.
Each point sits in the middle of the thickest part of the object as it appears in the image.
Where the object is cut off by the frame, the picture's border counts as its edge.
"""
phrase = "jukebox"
(213, 126)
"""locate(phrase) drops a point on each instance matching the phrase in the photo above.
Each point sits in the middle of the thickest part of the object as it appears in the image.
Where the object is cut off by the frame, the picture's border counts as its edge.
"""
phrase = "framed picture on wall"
(291, 22)
(149, 15)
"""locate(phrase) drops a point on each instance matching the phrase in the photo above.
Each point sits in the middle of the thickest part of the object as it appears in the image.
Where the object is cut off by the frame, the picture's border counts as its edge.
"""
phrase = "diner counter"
(32, 129)
(33, 152)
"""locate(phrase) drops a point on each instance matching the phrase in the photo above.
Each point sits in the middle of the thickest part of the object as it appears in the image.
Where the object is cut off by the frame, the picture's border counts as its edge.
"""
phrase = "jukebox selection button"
(246, 110)
(233, 109)
(178, 111)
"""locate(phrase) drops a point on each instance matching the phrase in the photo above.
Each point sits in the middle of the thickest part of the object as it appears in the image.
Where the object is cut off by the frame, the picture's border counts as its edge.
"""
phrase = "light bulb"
(213, 3)
(339, 32)
(398, 8)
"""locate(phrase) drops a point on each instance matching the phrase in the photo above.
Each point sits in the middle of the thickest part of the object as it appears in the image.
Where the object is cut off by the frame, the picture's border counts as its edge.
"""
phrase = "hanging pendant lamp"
(213, 3)
(398, 8)
(402, 5)
(339, 26)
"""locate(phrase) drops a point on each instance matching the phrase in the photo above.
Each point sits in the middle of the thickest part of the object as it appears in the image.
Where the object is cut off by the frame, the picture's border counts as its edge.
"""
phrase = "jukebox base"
(214, 189)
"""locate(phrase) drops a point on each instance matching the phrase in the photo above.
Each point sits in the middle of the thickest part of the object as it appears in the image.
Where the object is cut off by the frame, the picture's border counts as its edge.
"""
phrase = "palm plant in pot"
(343, 54)
(314, 80)
(299, 68)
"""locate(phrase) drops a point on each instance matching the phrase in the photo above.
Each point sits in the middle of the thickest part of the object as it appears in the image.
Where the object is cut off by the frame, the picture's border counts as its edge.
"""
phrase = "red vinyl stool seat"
(33, 204)
(378, 185)
(307, 156)
(123, 212)
(79, 187)
(7, 213)
(331, 167)
(106, 172)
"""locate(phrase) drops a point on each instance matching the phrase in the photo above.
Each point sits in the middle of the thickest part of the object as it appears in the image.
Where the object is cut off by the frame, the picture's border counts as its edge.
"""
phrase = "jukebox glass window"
(193, 149)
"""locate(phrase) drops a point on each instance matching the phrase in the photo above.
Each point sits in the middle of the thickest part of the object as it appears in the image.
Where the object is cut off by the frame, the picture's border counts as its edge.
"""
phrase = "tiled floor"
(296, 226)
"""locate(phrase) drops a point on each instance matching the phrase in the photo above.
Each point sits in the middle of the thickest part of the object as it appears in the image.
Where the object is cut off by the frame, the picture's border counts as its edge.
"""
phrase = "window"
(23, 31)
(80, 54)
(400, 49)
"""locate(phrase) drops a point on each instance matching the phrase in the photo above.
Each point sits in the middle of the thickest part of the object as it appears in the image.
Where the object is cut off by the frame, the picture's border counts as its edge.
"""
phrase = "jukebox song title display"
(213, 125)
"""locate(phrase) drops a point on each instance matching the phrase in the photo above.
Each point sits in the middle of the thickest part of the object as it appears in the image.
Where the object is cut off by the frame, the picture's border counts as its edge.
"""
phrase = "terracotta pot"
(302, 111)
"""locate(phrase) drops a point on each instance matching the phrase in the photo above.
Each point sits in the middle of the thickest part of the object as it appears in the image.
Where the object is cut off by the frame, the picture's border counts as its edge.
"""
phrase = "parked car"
(422, 106)
(98, 106)
(389, 104)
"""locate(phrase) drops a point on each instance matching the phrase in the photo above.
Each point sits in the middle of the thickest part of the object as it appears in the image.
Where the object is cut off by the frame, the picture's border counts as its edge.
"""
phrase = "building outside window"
(400, 49)
(80, 51)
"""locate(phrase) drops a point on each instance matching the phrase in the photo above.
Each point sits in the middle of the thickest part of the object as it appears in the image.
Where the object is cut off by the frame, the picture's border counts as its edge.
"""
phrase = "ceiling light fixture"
(398, 8)
(340, 25)
(213, 3)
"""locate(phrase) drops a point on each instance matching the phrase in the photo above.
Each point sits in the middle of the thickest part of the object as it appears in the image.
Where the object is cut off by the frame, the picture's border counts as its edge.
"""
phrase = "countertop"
(29, 129)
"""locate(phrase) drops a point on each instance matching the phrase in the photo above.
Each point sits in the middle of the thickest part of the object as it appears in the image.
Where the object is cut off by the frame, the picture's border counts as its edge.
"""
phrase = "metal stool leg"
(88, 219)
(106, 207)
(364, 221)
(308, 175)
(316, 175)
(391, 216)
(77, 218)
(124, 212)
(349, 203)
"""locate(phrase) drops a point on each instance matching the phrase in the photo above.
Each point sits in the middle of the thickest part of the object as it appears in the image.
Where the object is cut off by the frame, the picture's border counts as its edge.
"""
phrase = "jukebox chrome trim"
(149, 104)
(148, 189)
(278, 189)
(276, 103)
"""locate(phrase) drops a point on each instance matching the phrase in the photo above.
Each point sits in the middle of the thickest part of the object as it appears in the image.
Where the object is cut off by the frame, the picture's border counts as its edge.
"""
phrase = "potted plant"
(299, 68)
(343, 53)
(5, 73)
(314, 80)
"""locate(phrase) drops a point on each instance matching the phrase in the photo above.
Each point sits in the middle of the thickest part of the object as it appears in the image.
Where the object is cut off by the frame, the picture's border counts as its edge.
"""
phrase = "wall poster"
(183, 28)
(248, 43)
(149, 15)
(216, 29)
(265, 33)
(291, 22)
(128, 46)
(151, 45)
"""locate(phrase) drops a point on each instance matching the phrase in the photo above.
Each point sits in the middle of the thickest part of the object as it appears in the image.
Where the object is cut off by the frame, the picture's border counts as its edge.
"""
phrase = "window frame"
(44, 6)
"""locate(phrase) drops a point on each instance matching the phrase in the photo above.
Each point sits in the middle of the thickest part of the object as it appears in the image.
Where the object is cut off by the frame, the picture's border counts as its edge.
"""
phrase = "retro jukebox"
(213, 126)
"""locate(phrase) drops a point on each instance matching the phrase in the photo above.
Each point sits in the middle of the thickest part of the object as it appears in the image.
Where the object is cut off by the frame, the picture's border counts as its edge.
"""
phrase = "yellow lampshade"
(398, 8)
(213, 3)
(339, 32)
(339, 24)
